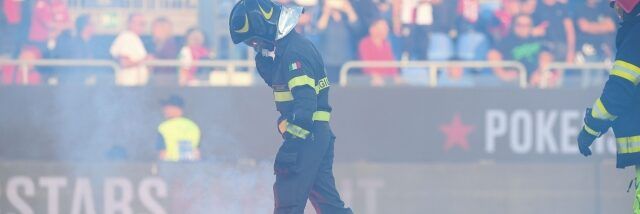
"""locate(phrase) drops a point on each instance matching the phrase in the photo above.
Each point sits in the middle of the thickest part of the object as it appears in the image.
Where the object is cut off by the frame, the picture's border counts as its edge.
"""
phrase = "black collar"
(282, 44)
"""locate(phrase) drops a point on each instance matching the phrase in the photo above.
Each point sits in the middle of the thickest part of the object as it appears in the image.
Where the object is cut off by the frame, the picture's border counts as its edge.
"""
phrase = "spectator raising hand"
(333, 9)
(336, 26)
(554, 24)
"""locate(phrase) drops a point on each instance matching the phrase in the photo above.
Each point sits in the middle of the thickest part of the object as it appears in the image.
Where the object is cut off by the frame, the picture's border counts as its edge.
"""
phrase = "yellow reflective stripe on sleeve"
(322, 116)
(628, 144)
(591, 131)
(301, 81)
(626, 75)
(283, 96)
(627, 71)
(600, 112)
(297, 131)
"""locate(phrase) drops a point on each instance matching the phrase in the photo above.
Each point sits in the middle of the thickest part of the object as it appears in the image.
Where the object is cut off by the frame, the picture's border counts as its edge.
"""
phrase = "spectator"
(553, 22)
(367, 13)
(412, 19)
(596, 29)
(553, 77)
(179, 137)
(307, 24)
(19, 75)
(444, 30)
(164, 47)
(337, 23)
(472, 42)
(11, 19)
(195, 49)
(469, 12)
(445, 18)
(130, 52)
(376, 47)
(50, 18)
(502, 19)
(78, 46)
(385, 10)
(520, 45)
(528, 7)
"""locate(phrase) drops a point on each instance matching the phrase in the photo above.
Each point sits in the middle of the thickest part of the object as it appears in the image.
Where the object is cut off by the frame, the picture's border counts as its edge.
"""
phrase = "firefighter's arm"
(302, 87)
(616, 99)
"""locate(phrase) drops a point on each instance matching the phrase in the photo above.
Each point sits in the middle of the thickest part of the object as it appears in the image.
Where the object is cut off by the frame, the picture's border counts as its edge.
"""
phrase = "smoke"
(110, 123)
(89, 125)
(233, 189)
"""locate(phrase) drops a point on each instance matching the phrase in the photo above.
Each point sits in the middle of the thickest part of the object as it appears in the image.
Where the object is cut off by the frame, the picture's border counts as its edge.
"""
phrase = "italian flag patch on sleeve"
(295, 66)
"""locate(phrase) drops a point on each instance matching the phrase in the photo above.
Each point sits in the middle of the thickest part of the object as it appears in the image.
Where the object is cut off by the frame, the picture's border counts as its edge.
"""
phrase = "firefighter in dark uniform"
(619, 105)
(294, 69)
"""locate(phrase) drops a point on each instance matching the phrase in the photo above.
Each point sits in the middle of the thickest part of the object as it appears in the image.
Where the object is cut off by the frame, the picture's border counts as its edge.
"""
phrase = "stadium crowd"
(533, 32)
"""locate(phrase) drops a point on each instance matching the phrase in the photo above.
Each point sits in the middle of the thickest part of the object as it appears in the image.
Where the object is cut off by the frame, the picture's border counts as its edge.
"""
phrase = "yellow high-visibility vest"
(179, 134)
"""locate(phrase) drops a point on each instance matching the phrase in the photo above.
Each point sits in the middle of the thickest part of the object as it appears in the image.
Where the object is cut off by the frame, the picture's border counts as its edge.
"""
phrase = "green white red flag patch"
(295, 66)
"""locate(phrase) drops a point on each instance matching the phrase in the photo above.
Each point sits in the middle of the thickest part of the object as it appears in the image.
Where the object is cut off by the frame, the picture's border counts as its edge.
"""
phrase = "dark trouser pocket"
(286, 163)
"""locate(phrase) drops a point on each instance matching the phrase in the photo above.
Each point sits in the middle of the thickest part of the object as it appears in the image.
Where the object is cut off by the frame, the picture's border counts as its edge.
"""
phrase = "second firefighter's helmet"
(254, 19)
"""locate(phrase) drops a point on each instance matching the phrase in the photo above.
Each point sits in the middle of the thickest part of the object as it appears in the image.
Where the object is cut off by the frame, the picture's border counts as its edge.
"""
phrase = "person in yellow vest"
(179, 136)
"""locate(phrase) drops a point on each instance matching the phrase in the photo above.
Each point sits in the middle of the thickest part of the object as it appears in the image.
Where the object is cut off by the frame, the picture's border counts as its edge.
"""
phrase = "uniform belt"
(322, 116)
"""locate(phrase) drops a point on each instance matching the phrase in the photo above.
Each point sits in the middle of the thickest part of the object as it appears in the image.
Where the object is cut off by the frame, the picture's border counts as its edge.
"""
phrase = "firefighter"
(293, 68)
(619, 105)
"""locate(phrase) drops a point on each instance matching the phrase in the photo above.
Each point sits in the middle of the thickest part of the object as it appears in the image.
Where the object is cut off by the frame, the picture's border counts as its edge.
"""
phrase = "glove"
(584, 141)
(291, 131)
(592, 129)
(264, 64)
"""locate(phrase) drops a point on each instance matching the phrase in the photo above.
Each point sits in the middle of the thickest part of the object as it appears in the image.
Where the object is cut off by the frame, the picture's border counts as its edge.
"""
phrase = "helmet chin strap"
(288, 19)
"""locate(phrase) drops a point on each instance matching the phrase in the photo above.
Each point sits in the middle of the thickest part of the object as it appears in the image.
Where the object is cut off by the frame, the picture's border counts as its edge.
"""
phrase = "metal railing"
(23, 65)
(561, 66)
(433, 67)
(134, 4)
(231, 66)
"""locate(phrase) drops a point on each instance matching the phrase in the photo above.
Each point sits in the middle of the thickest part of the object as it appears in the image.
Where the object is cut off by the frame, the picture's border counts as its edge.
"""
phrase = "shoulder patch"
(295, 66)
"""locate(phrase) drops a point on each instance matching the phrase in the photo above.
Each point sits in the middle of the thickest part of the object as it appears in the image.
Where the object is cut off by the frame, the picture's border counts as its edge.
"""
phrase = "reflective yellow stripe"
(625, 75)
(600, 112)
(322, 116)
(632, 139)
(282, 96)
(628, 66)
(627, 71)
(297, 131)
(306, 80)
(301, 81)
(591, 131)
(628, 144)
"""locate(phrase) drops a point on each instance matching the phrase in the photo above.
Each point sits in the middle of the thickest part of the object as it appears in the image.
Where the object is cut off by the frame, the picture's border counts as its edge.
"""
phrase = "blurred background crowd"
(132, 33)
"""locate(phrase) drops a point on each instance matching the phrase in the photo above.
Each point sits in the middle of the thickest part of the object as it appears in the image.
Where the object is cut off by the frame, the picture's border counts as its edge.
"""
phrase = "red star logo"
(456, 133)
